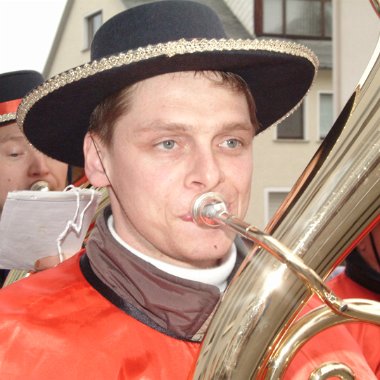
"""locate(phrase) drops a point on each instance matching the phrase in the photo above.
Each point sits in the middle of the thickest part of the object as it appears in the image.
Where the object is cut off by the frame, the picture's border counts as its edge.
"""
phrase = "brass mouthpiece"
(207, 207)
(40, 186)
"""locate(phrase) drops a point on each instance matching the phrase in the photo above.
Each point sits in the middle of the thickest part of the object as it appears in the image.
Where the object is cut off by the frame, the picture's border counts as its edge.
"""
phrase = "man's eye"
(14, 150)
(167, 144)
(231, 143)
(16, 153)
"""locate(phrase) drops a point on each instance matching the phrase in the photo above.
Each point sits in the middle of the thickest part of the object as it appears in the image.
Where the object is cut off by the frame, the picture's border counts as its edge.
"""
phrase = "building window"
(292, 128)
(92, 24)
(325, 113)
(300, 19)
(273, 200)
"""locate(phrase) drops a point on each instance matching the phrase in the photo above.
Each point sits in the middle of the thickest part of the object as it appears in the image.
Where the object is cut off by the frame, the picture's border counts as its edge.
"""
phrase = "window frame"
(88, 21)
(258, 23)
(323, 92)
(267, 192)
(301, 107)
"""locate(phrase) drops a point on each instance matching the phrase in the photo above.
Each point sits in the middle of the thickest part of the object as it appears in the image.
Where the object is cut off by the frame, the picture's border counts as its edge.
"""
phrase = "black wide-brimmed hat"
(154, 39)
(13, 87)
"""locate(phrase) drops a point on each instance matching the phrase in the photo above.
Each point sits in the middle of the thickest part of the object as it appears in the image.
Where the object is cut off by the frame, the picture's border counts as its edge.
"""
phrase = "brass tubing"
(211, 209)
(311, 324)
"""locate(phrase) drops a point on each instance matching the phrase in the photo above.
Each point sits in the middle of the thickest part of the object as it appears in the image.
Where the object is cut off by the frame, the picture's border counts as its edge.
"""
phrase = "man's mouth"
(187, 218)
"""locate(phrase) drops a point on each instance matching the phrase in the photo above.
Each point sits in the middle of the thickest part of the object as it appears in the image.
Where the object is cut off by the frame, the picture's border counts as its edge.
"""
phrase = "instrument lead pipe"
(210, 210)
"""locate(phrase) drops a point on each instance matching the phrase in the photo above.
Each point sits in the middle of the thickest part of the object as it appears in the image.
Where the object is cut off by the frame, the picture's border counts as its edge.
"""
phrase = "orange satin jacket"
(55, 325)
(69, 331)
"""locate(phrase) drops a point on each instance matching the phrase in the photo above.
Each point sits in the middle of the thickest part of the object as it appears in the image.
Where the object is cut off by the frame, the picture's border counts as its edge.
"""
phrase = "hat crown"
(16, 84)
(154, 23)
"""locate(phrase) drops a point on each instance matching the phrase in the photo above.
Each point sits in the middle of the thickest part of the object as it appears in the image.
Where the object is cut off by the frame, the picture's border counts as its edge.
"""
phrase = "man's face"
(21, 165)
(183, 136)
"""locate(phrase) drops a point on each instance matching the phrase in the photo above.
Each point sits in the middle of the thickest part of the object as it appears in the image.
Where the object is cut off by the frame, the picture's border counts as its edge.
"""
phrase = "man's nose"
(38, 166)
(205, 171)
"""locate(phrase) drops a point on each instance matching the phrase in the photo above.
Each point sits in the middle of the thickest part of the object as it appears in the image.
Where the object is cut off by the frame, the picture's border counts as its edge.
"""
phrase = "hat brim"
(55, 116)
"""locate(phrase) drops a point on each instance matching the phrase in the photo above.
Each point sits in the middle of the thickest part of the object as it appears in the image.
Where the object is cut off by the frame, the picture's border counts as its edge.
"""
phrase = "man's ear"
(93, 166)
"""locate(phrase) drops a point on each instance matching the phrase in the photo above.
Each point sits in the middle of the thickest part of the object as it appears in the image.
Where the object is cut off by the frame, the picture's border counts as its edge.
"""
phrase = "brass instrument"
(335, 201)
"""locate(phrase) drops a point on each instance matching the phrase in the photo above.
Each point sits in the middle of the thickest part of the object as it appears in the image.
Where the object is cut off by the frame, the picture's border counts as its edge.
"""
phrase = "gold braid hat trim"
(169, 49)
(7, 117)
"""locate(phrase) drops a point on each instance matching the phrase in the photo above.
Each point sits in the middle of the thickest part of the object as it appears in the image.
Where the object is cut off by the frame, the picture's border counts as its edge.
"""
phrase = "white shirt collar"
(216, 276)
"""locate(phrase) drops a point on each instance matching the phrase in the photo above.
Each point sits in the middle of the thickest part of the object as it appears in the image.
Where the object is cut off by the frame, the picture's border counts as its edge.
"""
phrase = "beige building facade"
(356, 32)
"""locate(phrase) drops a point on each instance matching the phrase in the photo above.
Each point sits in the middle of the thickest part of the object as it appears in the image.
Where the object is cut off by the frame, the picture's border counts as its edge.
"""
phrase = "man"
(363, 263)
(21, 165)
(361, 279)
(168, 119)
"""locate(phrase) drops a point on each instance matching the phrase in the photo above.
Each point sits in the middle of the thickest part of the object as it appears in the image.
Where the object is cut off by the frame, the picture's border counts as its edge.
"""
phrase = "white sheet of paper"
(32, 221)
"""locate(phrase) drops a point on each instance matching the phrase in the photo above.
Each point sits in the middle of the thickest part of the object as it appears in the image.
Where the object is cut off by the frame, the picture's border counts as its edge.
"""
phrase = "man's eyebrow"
(162, 127)
(178, 127)
(9, 137)
(238, 126)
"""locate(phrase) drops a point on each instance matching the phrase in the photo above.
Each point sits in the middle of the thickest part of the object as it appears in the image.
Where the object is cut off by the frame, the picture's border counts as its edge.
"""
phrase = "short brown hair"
(106, 114)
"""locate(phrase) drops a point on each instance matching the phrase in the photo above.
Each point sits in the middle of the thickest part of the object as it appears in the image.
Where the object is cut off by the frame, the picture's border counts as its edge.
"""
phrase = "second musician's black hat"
(14, 86)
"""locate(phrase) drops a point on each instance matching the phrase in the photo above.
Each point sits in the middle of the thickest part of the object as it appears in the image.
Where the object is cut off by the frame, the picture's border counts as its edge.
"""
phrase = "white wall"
(70, 52)
(243, 10)
(355, 34)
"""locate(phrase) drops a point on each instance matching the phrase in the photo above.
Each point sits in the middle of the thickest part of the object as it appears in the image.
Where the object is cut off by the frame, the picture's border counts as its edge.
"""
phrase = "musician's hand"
(48, 262)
